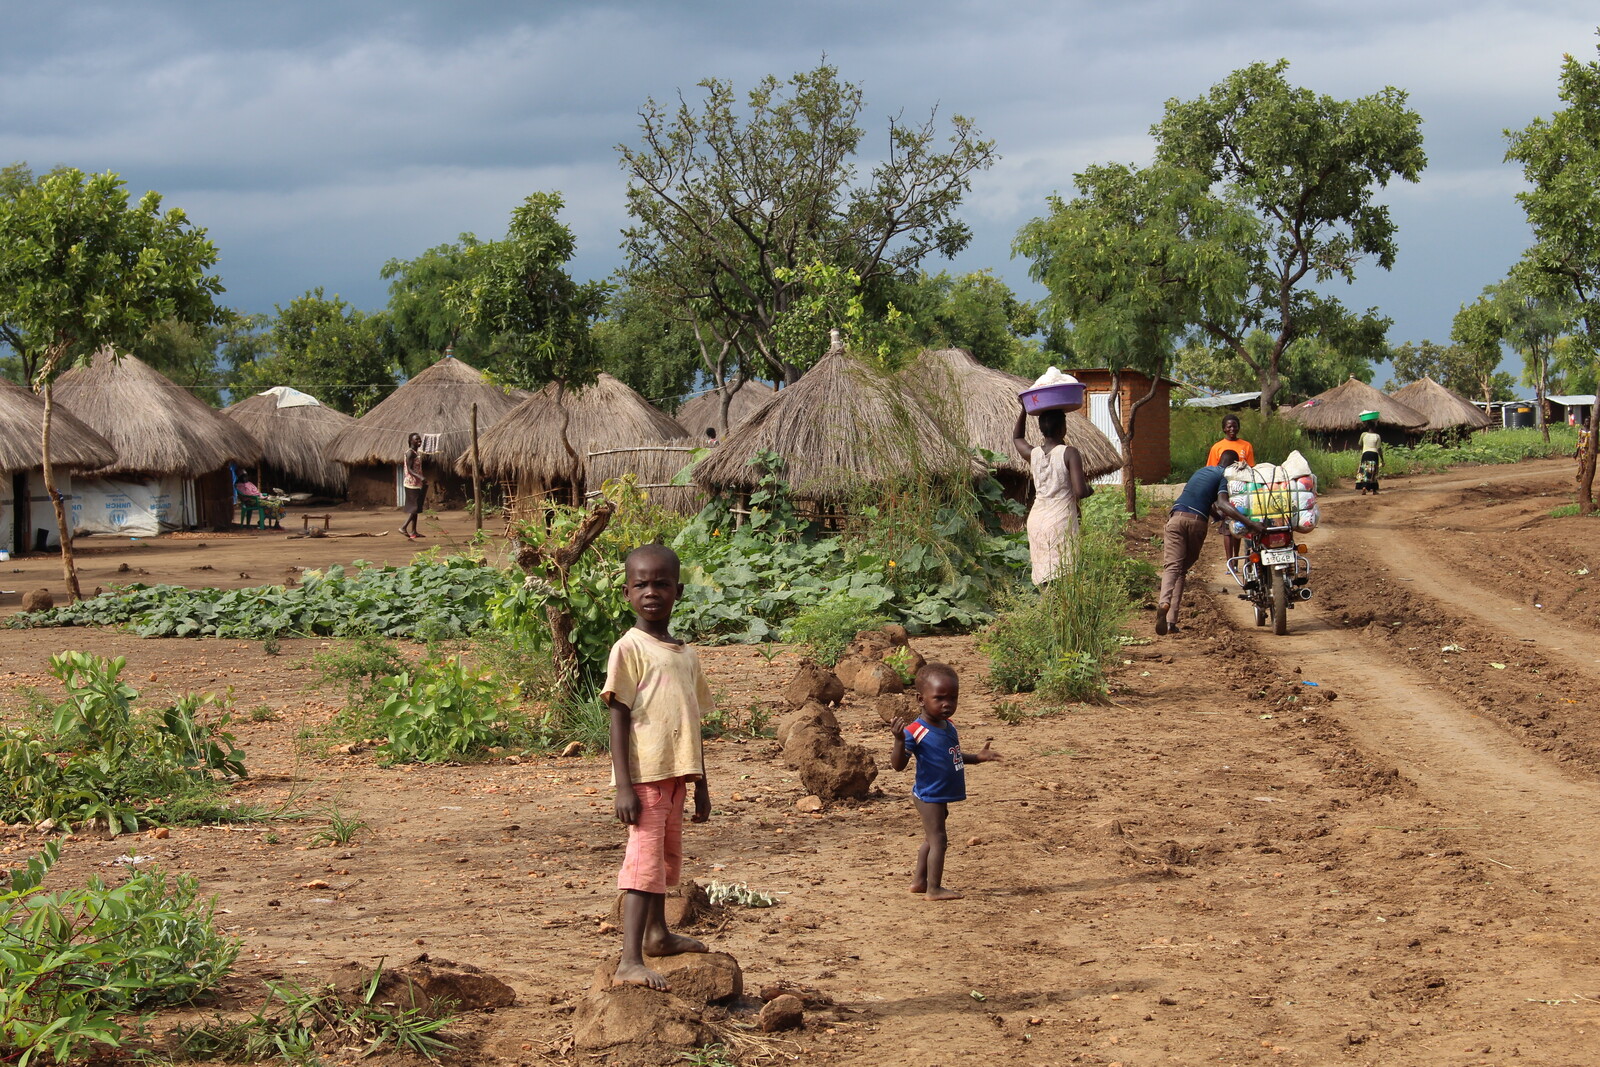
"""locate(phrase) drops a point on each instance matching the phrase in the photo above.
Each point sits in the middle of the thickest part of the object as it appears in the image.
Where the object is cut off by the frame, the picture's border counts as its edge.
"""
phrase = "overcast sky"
(316, 141)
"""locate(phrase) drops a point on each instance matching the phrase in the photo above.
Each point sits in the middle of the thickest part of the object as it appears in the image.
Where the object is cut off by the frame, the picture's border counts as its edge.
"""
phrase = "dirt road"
(1221, 865)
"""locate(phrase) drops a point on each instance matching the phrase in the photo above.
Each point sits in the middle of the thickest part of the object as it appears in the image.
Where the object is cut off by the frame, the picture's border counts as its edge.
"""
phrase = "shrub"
(361, 667)
(106, 760)
(1058, 642)
(828, 626)
(442, 710)
(74, 960)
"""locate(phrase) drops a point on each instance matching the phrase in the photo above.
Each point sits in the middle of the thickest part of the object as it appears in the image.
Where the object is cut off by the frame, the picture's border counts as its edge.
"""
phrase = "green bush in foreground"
(71, 961)
(104, 759)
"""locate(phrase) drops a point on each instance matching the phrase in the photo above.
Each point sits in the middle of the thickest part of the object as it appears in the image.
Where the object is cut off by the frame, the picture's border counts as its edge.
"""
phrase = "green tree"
(323, 347)
(1530, 318)
(1469, 367)
(730, 206)
(1560, 159)
(1130, 263)
(1310, 167)
(642, 342)
(518, 290)
(423, 321)
(975, 311)
(82, 270)
(1309, 365)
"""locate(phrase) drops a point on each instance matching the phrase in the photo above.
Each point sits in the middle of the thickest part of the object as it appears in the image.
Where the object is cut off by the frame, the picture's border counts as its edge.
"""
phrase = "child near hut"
(941, 778)
(657, 694)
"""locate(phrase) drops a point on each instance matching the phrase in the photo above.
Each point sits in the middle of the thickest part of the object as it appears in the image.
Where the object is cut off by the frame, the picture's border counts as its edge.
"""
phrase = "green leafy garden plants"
(103, 759)
(77, 959)
(427, 599)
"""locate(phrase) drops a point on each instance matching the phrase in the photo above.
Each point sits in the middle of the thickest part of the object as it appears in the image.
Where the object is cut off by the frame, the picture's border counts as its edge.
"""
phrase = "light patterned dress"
(1053, 521)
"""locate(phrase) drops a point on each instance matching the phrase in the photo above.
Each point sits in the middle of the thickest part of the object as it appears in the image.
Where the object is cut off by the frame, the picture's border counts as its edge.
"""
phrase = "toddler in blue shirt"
(941, 776)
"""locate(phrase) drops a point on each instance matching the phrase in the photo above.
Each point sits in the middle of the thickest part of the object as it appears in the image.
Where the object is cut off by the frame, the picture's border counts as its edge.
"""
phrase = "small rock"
(974, 841)
(784, 1013)
(315, 883)
(573, 748)
(160, 833)
(808, 804)
(38, 600)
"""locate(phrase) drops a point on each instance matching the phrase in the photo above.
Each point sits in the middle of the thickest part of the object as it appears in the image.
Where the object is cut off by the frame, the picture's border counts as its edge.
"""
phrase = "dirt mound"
(433, 987)
(830, 767)
(879, 661)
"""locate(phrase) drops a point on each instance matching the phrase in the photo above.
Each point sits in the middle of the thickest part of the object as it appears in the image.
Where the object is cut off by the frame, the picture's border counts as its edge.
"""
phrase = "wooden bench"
(305, 526)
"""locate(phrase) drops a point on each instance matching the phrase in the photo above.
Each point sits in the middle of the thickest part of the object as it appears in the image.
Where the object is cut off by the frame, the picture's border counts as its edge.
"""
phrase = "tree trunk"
(1130, 492)
(533, 558)
(69, 564)
(1271, 385)
(1586, 462)
(1544, 405)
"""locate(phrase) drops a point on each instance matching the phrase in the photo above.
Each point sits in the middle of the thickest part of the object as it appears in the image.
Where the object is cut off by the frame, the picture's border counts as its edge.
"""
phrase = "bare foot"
(919, 887)
(939, 892)
(638, 974)
(671, 945)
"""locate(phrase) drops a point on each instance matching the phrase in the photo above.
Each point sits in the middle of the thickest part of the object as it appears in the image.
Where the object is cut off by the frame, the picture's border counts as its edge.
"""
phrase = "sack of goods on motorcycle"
(1278, 495)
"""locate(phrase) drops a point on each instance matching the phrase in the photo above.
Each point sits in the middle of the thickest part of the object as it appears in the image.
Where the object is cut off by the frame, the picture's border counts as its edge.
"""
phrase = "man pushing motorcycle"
(1205, 495)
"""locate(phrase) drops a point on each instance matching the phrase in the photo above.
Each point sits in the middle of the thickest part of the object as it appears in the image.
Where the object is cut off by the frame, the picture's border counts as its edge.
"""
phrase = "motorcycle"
(1274, 573)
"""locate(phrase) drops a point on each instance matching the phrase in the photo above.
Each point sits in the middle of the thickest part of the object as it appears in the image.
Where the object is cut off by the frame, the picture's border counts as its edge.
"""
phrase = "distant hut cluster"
(294, 430)
(1423, 407)
(563, 443)
(135, 454)
(438, 404)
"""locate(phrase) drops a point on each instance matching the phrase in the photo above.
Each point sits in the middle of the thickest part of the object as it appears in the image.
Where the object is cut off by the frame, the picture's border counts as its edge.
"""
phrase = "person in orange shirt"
(1247, 455)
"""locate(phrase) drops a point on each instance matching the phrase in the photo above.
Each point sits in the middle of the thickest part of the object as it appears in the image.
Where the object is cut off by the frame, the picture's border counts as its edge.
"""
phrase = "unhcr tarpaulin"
(132, 509)
(29, 523)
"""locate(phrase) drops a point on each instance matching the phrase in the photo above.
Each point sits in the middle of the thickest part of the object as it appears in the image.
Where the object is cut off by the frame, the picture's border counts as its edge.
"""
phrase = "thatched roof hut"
(705, 410)
(841, 428)
(437, 401)
(960, 391)
(294, 429)
(155, 425)
(73, 445)
(1444, 408)
(1335, 416)
(528, 450)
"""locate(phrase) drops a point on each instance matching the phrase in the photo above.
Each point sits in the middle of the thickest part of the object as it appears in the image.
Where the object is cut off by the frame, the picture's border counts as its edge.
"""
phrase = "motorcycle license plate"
(1272, 557)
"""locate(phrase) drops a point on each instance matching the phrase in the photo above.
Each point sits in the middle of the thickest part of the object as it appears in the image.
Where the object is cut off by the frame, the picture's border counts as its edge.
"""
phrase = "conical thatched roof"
(439, 400)
(703, 410)
(526, 446)
(1340, 408)
(959, 390)
(154, 425)
(841, 428)
(294, 429)
(1444, 408)
(72, 444)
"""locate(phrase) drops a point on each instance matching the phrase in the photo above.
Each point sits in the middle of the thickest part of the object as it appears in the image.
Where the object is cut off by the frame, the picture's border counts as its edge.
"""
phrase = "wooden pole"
(477, 500)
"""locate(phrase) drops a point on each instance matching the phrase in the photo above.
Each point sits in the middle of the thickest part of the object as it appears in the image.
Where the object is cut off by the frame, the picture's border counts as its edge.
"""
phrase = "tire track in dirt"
(1533, 814)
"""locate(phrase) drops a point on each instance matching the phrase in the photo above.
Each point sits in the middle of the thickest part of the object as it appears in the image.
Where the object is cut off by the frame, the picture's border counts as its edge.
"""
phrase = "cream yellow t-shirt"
(664, 687)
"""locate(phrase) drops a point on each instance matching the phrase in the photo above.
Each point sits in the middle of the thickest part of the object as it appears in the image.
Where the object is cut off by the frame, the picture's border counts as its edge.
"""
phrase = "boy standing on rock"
(657, 693)
(941, 774)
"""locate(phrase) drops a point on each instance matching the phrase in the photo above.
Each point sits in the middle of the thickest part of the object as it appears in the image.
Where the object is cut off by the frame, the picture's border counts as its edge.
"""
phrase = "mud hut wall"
(1152, 443)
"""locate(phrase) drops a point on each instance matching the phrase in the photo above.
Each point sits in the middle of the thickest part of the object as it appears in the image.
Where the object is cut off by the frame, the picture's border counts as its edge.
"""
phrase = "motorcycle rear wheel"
(1280, 603)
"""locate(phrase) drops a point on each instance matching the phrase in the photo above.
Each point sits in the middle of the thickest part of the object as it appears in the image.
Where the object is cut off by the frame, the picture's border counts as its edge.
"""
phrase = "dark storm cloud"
(315, 141)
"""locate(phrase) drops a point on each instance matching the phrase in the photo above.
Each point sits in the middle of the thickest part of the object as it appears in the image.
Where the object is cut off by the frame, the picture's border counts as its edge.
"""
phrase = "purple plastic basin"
(1052, 398)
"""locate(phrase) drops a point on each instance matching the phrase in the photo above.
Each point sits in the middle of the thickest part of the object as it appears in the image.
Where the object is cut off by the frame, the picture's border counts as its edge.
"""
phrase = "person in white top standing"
(1058, 485)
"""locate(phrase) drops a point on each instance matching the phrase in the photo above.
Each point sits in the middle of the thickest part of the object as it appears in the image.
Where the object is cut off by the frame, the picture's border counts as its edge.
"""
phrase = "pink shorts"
(654, 860)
